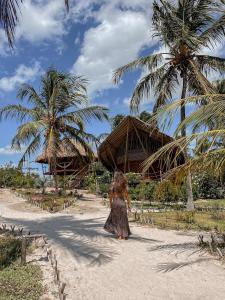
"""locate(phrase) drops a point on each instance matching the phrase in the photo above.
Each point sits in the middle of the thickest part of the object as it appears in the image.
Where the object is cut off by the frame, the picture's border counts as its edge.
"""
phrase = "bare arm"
(110, 198)
(127, 197)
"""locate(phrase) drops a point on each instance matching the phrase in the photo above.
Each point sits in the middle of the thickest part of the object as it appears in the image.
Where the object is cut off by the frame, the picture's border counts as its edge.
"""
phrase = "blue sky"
(95, 38)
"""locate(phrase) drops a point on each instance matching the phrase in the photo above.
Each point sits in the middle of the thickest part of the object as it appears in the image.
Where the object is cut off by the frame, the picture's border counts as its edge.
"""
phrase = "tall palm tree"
(9, 17)
(59, 111)
(184, 29)
(209, 153)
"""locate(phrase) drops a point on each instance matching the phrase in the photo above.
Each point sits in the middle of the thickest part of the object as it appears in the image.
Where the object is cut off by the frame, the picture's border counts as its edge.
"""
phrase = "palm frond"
(25, 133)
(208, 63)
(214, 33)
(145, 85)
(18, 112)
(9, 17)
(198, 80)
(148, 62)
(31, 149)
(176, 148)
(27, 90)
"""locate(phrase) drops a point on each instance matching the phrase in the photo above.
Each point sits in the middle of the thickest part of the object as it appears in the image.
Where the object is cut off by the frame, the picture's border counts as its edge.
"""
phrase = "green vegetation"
(182, 220)
(52, 202)
(11, 176)
(17, 282)
(58, 112)
(184, 28)
(98, 180)
(21, 283)
(10, 250)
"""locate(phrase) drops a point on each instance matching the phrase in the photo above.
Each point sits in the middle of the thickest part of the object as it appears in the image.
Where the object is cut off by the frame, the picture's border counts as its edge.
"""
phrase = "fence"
(17, 233)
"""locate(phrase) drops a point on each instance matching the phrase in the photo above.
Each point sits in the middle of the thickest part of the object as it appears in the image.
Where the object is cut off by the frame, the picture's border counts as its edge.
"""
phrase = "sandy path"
(152, 264)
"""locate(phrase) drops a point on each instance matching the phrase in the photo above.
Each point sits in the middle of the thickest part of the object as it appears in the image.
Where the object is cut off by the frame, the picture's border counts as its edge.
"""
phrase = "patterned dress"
(117, 222)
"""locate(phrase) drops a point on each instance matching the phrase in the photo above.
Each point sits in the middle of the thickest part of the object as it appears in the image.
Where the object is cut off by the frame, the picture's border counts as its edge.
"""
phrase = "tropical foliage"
(143, 116)
(59, 111)
(11, 176)
(208, 159)
(184, 28)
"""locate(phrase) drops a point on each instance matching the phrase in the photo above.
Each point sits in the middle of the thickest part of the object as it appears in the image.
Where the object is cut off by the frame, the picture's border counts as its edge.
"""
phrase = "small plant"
(187, 217)
(10, 250)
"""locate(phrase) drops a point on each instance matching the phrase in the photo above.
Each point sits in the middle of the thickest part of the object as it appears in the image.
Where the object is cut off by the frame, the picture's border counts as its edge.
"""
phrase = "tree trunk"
(190, 200)
(55, 177)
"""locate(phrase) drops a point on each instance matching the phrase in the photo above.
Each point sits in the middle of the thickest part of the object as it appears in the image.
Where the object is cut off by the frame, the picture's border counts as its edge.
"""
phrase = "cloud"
(7, 150)
(22, 75)
(42, 20)
(123, 31)
(39, 21)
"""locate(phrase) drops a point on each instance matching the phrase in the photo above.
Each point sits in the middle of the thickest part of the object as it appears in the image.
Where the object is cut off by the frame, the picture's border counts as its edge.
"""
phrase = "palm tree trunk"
(190, 200)
(55, 177)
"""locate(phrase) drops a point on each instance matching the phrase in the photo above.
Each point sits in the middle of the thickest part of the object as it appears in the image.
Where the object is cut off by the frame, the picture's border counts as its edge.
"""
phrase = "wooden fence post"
(23, 251)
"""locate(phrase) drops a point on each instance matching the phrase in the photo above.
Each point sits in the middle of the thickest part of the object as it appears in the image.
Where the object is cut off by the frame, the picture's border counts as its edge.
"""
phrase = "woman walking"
(117, 222)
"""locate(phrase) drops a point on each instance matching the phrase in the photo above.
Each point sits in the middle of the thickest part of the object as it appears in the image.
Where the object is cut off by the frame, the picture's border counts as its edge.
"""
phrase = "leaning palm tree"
(58, 112)
(209, 152)
(184, 29)
(9, 17)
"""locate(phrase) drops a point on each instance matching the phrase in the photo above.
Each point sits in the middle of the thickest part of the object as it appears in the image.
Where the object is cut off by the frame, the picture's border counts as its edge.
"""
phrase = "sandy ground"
(153, 264)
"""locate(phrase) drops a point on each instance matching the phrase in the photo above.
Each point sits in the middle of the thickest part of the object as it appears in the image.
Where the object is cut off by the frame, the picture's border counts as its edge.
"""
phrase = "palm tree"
(9, 17)
(209, 153)
(59, 111)
(143, 116)
(184, 30)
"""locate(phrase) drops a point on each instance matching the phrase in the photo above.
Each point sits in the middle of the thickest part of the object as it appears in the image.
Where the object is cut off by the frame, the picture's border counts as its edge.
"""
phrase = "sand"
(153, 264)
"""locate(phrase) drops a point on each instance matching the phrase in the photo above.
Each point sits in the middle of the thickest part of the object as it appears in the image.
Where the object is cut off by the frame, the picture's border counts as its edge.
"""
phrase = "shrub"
(10, 250)
(207, 186)
(168, 191)
(133, 179)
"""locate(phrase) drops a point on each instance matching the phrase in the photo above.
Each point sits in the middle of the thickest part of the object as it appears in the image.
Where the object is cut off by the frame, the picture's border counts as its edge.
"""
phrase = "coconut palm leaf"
(16, 111)
(51, 115)
(9, 17)
(31, 149)
(148, 62)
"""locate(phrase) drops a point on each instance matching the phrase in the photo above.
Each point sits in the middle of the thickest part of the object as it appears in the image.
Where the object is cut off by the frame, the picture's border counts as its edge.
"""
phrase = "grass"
(17, 282)
(50, 202)
(10, 249)
(220, 203)
(183, 220)
(21, 283)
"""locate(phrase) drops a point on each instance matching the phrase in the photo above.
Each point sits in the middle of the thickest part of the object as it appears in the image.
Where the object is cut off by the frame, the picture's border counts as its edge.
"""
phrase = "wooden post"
(23, 251)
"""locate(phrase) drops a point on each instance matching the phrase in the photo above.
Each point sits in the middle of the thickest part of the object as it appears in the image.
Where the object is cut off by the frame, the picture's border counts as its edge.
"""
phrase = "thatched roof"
(66, 151)
(107, 151)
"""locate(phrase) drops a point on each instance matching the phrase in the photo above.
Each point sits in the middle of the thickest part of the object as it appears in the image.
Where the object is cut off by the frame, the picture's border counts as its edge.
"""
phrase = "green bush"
(133, 179)
(207, 186)
(11, 176)
(10, 250)
(170, 192)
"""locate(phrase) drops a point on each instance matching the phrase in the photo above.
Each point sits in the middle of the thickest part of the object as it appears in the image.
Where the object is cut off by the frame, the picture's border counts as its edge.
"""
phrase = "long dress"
(117, 222)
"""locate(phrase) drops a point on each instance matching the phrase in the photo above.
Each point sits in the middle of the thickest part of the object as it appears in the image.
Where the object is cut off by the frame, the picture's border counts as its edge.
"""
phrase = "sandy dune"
(153, 264)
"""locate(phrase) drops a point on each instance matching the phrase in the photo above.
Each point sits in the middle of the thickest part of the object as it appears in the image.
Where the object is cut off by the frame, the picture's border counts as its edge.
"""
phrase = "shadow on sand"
(84, 239)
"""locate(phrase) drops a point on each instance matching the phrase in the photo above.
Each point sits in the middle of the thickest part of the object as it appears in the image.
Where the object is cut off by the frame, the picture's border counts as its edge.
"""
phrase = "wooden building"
(69, 162)
(130, 144)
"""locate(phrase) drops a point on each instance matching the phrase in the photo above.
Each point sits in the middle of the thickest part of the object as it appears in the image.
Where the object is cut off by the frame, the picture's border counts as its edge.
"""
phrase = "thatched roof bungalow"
(129, 144)
(71, 160)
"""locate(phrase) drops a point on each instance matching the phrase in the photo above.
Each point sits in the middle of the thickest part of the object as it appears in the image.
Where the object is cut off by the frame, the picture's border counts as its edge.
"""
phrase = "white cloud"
(121, 34)
(7, 150)
(39, 21)
(22, 75)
